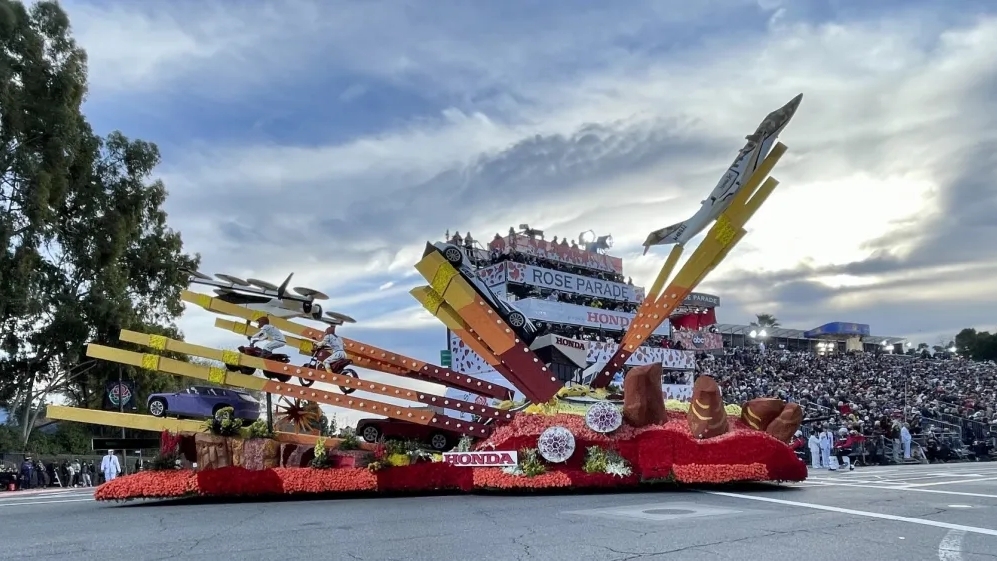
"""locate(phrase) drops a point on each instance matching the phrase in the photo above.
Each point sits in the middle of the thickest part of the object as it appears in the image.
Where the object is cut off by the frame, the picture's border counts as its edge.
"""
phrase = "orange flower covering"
(693, 473)
(149, 485)
(495, 478)
(310, 480)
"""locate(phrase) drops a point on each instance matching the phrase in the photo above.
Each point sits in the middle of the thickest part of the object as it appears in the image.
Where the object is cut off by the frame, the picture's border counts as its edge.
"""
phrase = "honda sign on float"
(481, 459)
(573, 314)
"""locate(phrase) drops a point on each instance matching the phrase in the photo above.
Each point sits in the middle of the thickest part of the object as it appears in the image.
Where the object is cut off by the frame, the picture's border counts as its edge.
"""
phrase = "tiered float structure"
(557, 434)
(580, 303)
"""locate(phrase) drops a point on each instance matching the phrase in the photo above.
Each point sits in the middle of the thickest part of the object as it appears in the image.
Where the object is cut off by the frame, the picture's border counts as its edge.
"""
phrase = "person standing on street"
(110, 466)
(826, 441)
(814, 444)
(905, 437)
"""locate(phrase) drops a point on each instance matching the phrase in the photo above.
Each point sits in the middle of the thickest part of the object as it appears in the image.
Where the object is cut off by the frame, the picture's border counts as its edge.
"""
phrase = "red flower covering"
(655, 454)
(524, 426)
(148, 485)
(310, 480)
(495, 478)
(425, 476)
(238, 481)
(715, 473)
(583, 480)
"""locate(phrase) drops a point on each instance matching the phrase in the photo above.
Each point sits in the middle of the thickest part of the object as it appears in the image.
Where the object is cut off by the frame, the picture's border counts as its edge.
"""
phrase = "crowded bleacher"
(947, 405)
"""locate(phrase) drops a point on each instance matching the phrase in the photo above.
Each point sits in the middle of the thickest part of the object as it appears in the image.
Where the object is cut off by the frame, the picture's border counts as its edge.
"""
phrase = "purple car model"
(204, 402)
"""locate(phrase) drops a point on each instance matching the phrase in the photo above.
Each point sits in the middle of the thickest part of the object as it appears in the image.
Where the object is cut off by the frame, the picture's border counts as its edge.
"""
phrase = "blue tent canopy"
(839, 328)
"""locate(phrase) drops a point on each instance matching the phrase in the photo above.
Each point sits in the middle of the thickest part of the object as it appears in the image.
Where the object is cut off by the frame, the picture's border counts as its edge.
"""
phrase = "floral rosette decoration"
(603, 417)
(556, 444)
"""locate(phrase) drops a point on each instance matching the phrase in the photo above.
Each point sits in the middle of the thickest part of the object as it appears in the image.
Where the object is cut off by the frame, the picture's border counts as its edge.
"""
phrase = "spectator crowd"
(869, 394)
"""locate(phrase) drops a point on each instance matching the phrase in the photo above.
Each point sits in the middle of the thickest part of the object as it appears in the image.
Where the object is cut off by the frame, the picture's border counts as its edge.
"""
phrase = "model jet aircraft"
(261, 295)
(759, 145)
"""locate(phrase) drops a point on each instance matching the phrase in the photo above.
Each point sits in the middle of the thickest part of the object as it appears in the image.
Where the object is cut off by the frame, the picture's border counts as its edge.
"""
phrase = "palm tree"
(765, 320)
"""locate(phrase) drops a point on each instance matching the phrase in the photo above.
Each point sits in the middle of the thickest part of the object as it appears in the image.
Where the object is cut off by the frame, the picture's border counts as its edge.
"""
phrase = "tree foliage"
(765, 320)
(86, 247)
(977, 345)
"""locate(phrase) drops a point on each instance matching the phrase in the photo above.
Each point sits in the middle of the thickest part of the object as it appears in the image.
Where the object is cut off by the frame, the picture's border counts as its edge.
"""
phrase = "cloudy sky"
(333, 138)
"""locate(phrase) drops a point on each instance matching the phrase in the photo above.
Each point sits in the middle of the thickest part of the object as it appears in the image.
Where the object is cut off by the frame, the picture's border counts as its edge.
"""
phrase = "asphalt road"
(915, 513)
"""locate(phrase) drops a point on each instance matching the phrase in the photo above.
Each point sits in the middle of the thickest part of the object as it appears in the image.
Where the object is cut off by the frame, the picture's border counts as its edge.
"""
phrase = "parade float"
(529, 426)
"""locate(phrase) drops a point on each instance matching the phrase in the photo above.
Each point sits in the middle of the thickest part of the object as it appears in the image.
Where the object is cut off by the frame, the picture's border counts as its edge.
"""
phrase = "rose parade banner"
(699, 340)
(531, 275)
(559, 312)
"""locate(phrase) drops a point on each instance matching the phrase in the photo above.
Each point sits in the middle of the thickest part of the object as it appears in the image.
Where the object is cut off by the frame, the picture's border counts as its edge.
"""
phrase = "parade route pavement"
(946, 512)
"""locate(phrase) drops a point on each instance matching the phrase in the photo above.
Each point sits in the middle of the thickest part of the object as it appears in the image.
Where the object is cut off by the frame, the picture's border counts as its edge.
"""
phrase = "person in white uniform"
(906, 438)
(110, 466)
(273, 337)
(814, 443)
(826, 441)
(334, 345)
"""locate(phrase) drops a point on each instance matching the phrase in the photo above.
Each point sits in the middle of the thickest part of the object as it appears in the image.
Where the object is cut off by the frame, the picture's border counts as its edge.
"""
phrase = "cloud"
(571, 119)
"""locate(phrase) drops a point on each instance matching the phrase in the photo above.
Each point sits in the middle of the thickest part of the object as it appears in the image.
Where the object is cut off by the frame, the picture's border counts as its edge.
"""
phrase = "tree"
(328, 425)
(765, 320)
(977, 345)
(87, 251)
(42, 84)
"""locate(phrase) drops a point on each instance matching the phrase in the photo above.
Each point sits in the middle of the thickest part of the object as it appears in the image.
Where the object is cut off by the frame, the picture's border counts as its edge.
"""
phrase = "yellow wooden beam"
(159, 424)
(178, 367)
(234, 358)
(434, 303)
(222, 376)
(123, 420)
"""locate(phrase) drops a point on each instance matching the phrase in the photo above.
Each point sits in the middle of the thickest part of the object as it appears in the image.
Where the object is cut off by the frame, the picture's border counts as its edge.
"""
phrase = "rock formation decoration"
(707, 416)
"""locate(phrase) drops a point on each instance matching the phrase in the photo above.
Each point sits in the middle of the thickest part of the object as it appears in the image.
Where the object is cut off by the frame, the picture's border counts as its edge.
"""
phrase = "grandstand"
(830, 337)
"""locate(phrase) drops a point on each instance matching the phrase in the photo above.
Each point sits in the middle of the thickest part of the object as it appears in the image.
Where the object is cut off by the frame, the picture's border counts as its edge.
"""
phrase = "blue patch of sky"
(324, 110)
(421, 344)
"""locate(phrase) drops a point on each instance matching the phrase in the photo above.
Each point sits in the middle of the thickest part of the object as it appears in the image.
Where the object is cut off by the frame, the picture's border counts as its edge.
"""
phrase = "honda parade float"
(556, 375)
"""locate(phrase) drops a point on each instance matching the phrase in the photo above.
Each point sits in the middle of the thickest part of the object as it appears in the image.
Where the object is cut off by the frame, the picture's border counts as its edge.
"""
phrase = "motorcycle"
(338, 367)
(254, 351)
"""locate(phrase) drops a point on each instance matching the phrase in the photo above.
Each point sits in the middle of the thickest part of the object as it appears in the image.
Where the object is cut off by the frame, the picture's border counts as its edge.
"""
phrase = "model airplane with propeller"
(265, 296)
(759, 145)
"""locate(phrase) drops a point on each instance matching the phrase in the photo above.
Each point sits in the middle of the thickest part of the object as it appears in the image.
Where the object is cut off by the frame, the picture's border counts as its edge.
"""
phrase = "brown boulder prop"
(758, 413)
(213, 451)
(643, 402)
(236, 447)
(787, 423)
(294, 459)
(257, 454)
(285, 454)
(707, 416)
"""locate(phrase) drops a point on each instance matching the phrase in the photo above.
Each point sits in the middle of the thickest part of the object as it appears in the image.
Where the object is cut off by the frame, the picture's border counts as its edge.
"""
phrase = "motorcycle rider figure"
(273, 337)
(334, 345)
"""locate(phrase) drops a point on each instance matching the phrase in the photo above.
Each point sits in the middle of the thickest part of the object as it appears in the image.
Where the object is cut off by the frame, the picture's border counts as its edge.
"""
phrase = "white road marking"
(27, 503)
(913, 489)
(839, 510)
(956, 482)
(960, 506)
(951, 547)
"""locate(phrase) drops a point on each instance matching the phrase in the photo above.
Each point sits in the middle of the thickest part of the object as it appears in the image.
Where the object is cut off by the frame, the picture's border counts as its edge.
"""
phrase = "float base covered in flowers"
(558, 446)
